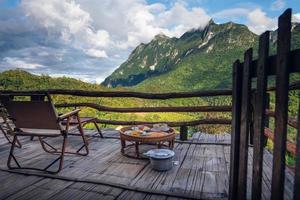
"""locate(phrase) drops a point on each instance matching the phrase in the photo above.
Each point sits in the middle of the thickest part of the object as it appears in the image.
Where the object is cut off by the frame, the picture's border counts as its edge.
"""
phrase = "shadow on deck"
(202, 172)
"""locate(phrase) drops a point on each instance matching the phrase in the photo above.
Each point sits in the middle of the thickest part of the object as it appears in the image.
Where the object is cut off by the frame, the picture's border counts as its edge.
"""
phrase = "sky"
(89, 39)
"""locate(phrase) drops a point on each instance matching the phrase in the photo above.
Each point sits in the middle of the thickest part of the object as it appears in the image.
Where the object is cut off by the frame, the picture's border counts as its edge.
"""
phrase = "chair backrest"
(34, 114)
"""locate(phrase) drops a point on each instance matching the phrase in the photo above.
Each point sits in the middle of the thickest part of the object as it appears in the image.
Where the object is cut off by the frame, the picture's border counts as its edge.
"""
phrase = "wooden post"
(183, 132)
(281, 109)
(37, 97)
(297, 167)
(245, 123)
(259, 115)
(237, 77)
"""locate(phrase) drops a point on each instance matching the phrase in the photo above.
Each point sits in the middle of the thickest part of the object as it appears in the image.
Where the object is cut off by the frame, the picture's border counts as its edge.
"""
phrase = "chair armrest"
(69, 114)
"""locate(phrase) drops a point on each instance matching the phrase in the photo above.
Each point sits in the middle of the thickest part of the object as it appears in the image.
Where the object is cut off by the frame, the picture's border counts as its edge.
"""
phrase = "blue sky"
(89, 39)
(9, 3)
(218, 5)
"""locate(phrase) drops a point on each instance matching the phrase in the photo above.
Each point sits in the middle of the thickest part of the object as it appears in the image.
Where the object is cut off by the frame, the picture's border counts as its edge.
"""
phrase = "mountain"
(199, 59)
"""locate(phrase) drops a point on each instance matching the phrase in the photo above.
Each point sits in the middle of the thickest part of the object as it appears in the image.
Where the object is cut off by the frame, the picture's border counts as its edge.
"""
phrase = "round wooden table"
(168, 136)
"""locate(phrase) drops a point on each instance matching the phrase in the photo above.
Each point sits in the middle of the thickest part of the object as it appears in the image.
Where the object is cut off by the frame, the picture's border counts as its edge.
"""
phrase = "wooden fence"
(249, 117)
(160, 96)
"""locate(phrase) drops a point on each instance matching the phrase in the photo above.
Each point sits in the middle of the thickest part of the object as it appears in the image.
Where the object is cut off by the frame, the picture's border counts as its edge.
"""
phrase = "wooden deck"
(202, 172)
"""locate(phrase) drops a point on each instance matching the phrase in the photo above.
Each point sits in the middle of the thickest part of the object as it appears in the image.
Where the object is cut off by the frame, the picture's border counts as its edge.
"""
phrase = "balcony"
(202, 171)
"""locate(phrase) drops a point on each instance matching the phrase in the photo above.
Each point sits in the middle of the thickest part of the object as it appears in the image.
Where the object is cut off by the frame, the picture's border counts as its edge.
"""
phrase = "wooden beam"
(291, 120)
(293, 67)
(297, 167)
(245, 123)
(259, 115)
(203, 93)
(148, 109)
(235, 128)
(292, 86)
(281, 104)
(290, 146)
(127, 94)
(172, 124)
(183, 133)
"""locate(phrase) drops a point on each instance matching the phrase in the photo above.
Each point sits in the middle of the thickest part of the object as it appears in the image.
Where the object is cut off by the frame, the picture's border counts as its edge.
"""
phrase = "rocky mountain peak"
(161, 36)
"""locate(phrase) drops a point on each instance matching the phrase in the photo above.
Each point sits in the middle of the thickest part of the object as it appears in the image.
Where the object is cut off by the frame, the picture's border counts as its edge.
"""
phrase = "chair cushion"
(39, 132)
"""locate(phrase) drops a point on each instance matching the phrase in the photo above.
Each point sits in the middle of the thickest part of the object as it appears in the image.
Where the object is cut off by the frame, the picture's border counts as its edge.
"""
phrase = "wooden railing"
(162, 96)
(159, 96)
(250, 115)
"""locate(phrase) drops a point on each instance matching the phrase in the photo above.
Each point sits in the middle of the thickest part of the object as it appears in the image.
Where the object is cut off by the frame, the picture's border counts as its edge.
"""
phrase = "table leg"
(158, 145)
(123, 145)
(137, 149)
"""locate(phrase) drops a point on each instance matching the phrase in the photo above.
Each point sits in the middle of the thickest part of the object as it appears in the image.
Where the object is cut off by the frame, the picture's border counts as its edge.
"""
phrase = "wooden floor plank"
(43, 189)
(14, 183)
(202, 171)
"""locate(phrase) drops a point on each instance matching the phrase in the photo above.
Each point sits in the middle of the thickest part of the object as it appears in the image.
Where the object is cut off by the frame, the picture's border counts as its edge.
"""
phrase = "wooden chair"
(39, 118)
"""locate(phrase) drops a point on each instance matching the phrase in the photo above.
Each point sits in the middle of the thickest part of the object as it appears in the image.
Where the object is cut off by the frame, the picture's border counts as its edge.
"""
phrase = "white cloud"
(278, 5)
(296, 17)
(260, 22)
(96, 53)
(130, 22)
(100, 27)
(231, 13)
(17, 63)
(255, 18)
(66, 19)
(180, 15)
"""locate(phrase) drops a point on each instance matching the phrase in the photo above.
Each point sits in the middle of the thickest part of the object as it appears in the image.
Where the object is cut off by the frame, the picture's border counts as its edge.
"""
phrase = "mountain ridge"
(163, 53)
(199, 59)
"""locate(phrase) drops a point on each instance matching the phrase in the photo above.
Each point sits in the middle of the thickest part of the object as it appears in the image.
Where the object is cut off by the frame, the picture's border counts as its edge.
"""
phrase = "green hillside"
(22, 80)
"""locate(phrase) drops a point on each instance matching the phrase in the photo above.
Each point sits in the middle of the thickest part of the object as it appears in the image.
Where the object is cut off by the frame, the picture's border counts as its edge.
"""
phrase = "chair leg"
(81, 133)
(63, 152)
(98, 129)
(18, 143)
(77, 152)
(60, 158)
(85, 141)
(44, 143)
(56, 151)
(11, 154)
